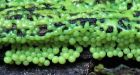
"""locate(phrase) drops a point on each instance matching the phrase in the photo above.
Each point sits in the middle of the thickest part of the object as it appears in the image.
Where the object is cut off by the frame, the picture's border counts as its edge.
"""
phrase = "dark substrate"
(85, 65)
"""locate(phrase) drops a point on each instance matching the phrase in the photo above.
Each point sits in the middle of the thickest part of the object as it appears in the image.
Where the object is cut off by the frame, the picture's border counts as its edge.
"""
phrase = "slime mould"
(42, 32)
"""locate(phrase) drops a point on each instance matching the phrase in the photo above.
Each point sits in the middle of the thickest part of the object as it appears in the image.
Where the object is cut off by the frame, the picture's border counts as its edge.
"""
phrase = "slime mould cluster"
(42, 32)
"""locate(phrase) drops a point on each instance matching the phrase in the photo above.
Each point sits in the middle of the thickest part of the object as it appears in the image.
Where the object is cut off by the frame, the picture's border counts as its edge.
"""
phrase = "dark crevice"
(73, 14)
(3, 50)
(63, 8)
(20, 33)
(122, 24)
(47, 6)
(58, 24)
(138, 22)
(109, 29)
(29, 17)
(65, 28)
(14, 27)
(42, 30)
(129, 5)
(138, 29)
(30, 9)
(137, 14)
(119, 29)
(49, 16)
(71, 47)
(1, 9)
(7, 1)
(116, 45)
(128, 26)
(17, 16)
(101, 29)
(84, 20)
(38, 15)
(102, 20)
(116, 61)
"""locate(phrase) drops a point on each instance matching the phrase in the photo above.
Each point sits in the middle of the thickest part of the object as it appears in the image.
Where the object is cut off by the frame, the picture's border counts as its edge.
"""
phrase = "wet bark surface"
(85, 65)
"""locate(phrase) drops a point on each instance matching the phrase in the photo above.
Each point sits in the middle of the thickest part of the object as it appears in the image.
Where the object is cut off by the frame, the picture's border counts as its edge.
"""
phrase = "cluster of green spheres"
(42, 32)
(42, 55)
